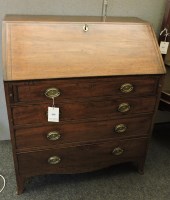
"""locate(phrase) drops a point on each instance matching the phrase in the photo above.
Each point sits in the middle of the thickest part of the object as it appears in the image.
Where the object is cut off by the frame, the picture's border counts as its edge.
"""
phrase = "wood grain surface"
(78, 159)
(36, 137)
(80, 110)
(37, 50)
(83, 88)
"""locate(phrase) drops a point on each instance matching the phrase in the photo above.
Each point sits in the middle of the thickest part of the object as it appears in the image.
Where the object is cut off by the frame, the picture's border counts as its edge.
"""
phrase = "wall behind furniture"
(150, 10)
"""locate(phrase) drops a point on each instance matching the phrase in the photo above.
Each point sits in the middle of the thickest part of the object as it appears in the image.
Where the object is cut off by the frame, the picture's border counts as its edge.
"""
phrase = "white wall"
(150, 10)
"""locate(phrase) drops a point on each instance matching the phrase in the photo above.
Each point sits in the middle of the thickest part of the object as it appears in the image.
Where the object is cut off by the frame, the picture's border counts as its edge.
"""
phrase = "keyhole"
(85, 28)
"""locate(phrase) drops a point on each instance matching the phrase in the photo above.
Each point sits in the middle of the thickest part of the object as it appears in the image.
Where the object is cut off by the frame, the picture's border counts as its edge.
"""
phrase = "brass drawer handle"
(120, 128)
(53, 160)
(126, 88)
(124, 107)
(52, 92)
(54, 135)
(118, 151)
(85, 28)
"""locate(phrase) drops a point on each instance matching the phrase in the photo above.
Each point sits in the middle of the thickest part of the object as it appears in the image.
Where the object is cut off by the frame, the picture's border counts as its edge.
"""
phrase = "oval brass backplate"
(124, 107)
(53, 160)
(117, 151)
(126, 88)
(53, 135)
(120, 128)
(52, 92)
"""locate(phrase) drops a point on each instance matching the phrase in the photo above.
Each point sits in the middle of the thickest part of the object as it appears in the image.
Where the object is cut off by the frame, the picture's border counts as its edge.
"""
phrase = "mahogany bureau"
(104, 76)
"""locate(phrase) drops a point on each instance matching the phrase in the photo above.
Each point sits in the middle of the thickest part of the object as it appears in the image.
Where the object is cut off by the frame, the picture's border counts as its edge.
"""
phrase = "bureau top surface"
(39, 47)
(58, 19)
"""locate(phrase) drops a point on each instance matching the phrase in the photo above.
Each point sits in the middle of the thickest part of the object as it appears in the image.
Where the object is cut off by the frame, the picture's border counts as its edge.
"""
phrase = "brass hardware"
(124, 107)
(54, 135)
(126, 88)
(85, 28)
(52, 92)
(120, 128)
(53, 160)
(117, 151)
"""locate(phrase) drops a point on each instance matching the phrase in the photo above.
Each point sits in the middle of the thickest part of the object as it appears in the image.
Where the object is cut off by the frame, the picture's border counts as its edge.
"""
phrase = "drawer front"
(63, 134)
(34, 114)
(81, 158)
(85, 87)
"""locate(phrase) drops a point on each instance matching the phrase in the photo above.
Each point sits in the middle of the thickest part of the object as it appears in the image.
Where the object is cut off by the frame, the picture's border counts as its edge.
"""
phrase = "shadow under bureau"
(104, 76)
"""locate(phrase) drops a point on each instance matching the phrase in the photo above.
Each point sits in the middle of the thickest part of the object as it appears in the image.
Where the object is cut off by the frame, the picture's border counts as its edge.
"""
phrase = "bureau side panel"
(9, 98)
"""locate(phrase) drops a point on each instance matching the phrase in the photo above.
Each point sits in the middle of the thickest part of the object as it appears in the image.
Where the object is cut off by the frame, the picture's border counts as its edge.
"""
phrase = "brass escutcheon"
(54, 135)
(126, 88)
(124, 107)
(117, 151)
(53, 160)
(85, 28)
(52, 92)
(120, 128)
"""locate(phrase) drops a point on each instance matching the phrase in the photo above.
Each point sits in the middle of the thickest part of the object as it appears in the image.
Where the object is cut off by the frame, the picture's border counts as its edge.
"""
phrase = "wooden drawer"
(64, 134)
(101, 109)
(85, 158)
(30, 91)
